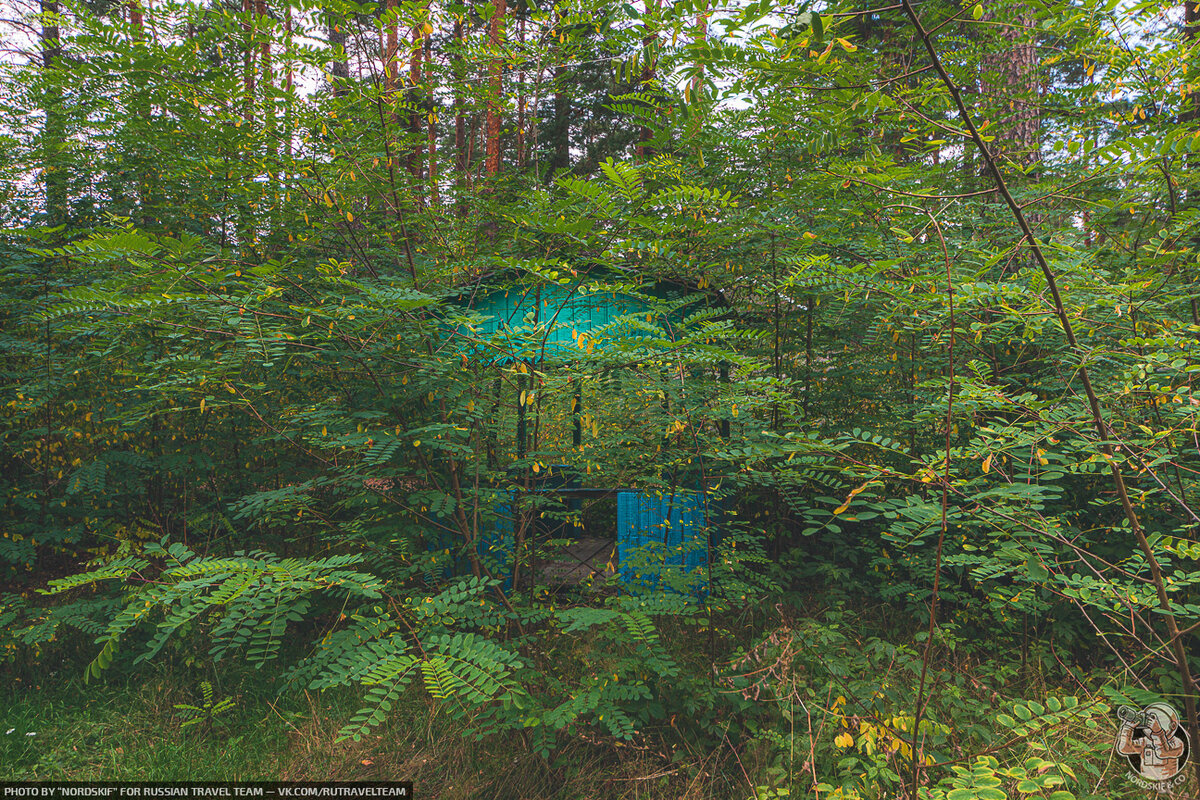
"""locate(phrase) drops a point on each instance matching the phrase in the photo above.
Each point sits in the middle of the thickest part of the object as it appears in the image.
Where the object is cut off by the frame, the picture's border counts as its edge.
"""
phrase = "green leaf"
(1037, 571)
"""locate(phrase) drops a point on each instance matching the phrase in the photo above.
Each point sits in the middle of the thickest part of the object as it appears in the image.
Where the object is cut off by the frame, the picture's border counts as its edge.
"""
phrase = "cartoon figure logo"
(1153, 742)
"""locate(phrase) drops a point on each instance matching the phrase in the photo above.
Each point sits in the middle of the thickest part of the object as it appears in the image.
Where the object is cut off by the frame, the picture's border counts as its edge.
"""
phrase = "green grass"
(130, 730)
(66, 731)
(127, 726)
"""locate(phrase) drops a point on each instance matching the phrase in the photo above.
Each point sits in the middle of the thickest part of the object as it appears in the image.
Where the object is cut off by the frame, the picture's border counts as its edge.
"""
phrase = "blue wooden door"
(662, 539)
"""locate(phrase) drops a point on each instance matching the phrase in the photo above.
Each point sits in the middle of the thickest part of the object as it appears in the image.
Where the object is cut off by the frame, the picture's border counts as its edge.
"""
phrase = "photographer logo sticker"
(1154, 743)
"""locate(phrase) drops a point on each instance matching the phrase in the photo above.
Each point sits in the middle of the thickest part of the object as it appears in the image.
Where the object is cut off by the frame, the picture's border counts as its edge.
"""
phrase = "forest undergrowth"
(805, 699)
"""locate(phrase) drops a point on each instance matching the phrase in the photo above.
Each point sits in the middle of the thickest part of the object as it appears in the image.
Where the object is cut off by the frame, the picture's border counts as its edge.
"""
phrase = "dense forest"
(696, 399)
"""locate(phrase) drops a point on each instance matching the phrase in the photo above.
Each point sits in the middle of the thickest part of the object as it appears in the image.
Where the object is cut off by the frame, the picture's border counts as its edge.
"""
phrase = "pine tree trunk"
(390, 120)
(264, 54)
(431, 131)
(416, 99)
(1011, 80)
(522, 12)
(390, 49)
(560, 129)
(339, 68)
(141, 114)
(492, 128)
(248, 11)
(289, 82)
(1191, 112)
(55, 136)
(649, 72)
(461, 158)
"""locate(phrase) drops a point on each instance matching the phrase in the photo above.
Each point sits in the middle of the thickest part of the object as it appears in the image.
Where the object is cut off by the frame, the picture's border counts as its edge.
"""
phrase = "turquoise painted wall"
(543, 322)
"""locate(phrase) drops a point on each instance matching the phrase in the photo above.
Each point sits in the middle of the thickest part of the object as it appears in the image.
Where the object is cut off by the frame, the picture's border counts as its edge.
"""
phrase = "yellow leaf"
(844, 740)
(855, 492)
(847, 46)
(416, 442)
(987, 463)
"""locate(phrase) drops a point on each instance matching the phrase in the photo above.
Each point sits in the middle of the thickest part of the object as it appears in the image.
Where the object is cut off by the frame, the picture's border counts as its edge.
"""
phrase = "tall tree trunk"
(1011, 80)
(55, 134)
(416, 99)
(289, 82)
(264, 54)
(1191, 112)
(431, 130)
(339, 67)
(390, 120)
(522, 13)
(248, 12)
(560, 129)
(390, 50)
(140, 107)
(496, 85)
(649, 71)
(461, 162)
